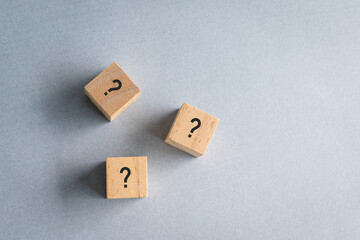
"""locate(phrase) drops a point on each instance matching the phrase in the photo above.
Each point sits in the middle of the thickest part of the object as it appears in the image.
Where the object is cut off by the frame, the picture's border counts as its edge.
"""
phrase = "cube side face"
(183, 148)
(192, 130)
(126, 177)
(97, 105)
(104, 91)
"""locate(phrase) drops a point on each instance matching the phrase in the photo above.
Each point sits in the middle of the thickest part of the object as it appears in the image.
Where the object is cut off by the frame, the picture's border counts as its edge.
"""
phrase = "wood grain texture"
(112, 103)
(180, 135)
(136, 185)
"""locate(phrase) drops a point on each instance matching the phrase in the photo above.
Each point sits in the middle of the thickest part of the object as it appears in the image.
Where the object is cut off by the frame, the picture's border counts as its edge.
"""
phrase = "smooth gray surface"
(283, 77)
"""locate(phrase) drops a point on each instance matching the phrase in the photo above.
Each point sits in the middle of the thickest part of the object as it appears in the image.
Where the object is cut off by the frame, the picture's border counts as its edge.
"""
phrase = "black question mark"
(127, 175)
(196, 127)
(115, 88)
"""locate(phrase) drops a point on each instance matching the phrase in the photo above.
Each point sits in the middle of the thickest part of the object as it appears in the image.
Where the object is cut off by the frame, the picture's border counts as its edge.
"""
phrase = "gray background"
(282, 77)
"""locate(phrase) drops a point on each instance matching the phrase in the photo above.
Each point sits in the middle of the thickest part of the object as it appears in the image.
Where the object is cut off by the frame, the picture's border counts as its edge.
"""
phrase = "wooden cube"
(112, 91)
(126, 177)
(192, 130)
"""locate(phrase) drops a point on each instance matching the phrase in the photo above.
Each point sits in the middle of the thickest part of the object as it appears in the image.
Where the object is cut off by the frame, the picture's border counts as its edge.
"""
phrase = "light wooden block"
(184, 133)
(126, 177)
(112, 91)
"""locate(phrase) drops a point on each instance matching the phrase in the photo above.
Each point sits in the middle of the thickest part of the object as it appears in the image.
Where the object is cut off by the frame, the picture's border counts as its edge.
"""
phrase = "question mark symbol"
(196, 127)
(127, 175)
(115, 88)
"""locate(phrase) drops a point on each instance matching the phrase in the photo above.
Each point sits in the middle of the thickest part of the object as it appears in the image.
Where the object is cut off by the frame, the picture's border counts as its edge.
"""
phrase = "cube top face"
(192, 130)
(112, 91)
(126, 177)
